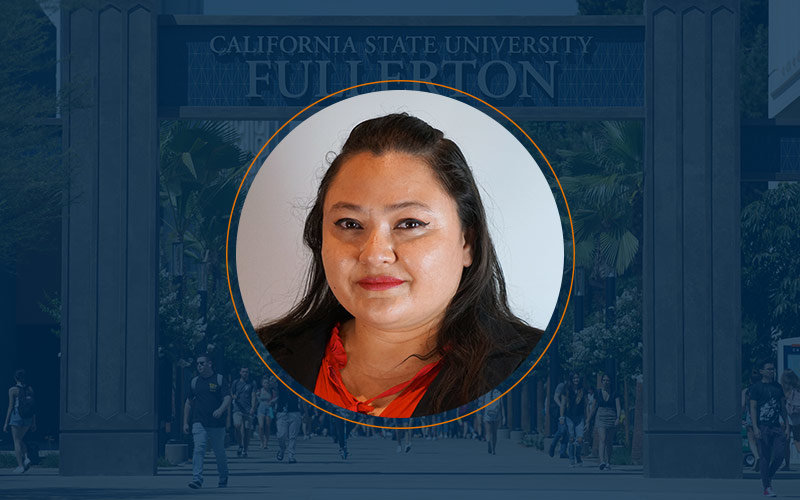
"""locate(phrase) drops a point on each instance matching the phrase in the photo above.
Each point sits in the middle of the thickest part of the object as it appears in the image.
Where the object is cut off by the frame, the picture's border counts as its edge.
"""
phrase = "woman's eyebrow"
(343, 205)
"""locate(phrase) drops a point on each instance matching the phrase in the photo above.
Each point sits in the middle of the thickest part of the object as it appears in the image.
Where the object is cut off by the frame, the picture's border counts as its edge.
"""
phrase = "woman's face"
(392, 243)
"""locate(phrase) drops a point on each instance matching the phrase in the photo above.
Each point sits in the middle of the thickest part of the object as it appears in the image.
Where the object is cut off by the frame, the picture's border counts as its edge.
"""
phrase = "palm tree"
(201, 165)
(604, 188)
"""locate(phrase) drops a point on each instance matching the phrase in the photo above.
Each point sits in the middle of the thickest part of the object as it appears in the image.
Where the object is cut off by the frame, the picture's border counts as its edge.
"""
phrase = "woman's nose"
(378, 248)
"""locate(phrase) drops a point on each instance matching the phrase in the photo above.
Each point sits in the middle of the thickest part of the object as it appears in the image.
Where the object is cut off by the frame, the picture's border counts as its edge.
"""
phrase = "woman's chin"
(392, 322)
(385, 322)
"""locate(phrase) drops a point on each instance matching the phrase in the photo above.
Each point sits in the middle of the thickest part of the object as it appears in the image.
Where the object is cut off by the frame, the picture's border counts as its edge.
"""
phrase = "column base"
(693, 455)
(87, 453)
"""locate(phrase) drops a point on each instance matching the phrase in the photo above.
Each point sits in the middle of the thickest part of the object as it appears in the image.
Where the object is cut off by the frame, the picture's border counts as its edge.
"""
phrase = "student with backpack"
(205, 407)
(21, 416)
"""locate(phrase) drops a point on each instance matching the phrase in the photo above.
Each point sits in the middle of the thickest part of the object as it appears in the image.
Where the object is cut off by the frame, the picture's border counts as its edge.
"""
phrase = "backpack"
(26, 404)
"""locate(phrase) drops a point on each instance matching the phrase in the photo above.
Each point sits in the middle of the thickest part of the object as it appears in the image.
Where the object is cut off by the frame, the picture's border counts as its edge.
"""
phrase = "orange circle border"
(233, 209)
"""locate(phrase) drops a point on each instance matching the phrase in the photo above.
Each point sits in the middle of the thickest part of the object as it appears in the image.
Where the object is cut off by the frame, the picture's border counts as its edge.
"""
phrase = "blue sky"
(397, 8)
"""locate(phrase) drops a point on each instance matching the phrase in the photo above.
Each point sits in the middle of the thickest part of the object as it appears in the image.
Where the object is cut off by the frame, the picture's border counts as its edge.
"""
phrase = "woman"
(492, 416)
(21, 418)
(266, 398)
(608, 409)
(791, 388)
(405, 312)
(574, 412)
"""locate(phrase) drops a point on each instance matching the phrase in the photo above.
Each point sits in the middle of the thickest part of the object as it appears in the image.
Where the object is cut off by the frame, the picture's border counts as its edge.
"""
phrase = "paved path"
(444, 470)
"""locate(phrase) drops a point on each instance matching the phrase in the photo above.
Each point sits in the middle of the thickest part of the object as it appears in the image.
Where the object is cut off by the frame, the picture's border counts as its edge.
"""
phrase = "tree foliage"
(201, 167)
(603, 183)
(771, 270)
(32, 177)
(753, 59)
(592, 346)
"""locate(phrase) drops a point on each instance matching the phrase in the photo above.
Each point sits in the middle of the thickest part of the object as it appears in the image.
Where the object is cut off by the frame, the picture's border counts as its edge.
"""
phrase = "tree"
(593, 345)
(201, 168)
(753, 58)
(603, 184)
(770, 271)
(32, 176)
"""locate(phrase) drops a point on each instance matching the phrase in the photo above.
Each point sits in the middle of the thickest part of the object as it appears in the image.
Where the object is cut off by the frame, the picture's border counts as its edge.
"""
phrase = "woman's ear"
(468, 237)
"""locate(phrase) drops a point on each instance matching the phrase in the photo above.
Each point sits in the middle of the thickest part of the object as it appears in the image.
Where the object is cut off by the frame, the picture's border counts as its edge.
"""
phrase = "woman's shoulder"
(300, 351)
(294, 338)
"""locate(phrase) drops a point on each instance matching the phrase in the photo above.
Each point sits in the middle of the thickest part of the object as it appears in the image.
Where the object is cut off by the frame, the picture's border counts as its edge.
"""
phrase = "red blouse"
(330, 386)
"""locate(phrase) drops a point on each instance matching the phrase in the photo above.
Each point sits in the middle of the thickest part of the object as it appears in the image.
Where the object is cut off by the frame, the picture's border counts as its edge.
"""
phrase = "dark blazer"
(301, 356)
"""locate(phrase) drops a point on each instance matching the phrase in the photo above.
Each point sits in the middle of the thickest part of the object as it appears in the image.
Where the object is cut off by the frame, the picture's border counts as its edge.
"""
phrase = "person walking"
(574, 412)
(492, 416)
(747, 421)
(606, 413)
(287, 422)
(244, 405)
(21, 417)
(561, 433)
(767, 409)
(790, 383)
(404, 438)
(340, 433)
(266, 412)
(205, 409)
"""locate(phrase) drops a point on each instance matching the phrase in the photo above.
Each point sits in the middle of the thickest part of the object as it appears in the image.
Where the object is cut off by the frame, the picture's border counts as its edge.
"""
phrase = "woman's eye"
(411, 224)
(348, 224)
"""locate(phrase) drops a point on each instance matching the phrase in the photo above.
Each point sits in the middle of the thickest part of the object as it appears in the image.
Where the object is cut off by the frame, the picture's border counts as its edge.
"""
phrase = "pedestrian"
(747, 421)
(266, 412)
(492, 416)
(574, 411)
(205, 409)
(404, 438)
(606, 414)
(561, 432)
(791, 390)
(340, 433)
(21, 417)
(244, 405)
(465, 430)
(767, 409)
(287, 421)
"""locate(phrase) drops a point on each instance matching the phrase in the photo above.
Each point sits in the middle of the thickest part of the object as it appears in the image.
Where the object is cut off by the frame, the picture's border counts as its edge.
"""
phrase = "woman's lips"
(377, 283)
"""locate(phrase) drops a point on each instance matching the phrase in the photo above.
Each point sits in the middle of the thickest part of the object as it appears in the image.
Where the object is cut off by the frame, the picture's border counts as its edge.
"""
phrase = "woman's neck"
(378, 360)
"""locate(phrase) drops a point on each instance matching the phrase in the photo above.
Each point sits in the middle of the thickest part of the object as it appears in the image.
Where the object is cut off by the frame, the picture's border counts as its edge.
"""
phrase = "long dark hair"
(469, 332)
(790, 380)
(573, 391)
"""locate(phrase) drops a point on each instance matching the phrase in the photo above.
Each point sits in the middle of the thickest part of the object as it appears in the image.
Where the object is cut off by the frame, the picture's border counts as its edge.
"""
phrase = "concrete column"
(691, 257)
(110, 244)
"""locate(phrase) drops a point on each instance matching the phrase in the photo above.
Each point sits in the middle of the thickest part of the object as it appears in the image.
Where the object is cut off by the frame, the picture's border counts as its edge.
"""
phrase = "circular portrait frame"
(525, 314)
